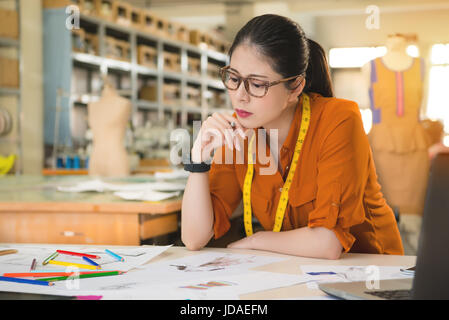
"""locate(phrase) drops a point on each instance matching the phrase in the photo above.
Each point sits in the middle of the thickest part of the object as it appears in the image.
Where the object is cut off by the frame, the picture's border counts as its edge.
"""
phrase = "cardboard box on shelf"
(213, 70)
(91, 43)
(147, 56)
(49, 4)
(193, 98)
(87, 7)
(193, 66)
(182, 33)
(105, 9)
(122, 13)
(162, 28)
(137, 16)
(198, 38)
(148, 93)
(118, 49)
(9, 24)
(9, 73)
(149, 22)
(171, 94)
(172, 61)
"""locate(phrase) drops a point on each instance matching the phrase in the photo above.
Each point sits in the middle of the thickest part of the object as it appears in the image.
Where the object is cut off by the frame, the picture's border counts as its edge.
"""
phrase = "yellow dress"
(398, 140)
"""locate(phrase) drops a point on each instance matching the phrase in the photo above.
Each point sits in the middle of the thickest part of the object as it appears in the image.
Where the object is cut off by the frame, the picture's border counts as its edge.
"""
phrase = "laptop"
(431, 278)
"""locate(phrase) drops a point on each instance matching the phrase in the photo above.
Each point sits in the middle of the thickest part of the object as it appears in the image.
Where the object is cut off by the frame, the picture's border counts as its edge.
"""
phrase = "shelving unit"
(15, 137)
(129, 76)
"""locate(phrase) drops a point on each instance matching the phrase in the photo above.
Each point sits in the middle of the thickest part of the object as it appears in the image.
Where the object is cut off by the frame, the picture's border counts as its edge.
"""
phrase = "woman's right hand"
(216, 131)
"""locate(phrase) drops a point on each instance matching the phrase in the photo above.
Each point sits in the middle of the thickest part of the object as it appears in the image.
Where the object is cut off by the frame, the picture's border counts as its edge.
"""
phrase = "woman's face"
(255, 112)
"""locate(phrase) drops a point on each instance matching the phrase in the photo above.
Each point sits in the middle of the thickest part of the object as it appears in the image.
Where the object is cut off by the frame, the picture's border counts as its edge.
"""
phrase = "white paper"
(350, 274)
(175, 174)
(147, 195)
(98, 185)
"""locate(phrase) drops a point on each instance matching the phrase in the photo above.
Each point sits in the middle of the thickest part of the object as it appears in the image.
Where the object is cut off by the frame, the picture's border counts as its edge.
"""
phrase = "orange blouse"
(335, 184)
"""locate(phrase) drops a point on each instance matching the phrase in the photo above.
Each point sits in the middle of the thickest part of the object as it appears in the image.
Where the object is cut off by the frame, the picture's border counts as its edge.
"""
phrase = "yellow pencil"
(71, 264)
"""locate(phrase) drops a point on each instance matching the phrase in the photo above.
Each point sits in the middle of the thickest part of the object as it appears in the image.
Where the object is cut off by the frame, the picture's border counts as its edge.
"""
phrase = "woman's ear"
(299, 84)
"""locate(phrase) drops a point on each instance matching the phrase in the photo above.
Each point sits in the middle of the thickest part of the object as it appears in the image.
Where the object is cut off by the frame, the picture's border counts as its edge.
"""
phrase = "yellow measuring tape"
(247, 212)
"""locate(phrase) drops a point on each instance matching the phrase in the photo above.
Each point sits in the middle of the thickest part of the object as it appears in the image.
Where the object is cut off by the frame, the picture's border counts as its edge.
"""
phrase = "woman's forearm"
(317, 242)
(197, 216)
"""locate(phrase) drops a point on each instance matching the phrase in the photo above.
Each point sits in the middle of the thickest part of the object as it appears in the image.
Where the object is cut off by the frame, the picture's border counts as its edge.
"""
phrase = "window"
(438, 103)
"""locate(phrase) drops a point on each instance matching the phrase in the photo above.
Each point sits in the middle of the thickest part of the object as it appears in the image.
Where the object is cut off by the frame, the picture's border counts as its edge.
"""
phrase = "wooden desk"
(33, 211)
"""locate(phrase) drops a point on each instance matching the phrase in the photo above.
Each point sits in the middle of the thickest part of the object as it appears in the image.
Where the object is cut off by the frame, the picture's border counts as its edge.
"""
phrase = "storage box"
(162, 27)
(213, 70)
(49, 4)
(194, 66)
(104, 9)
(182, 34)
(171, 94)
(87, 7)
(147, 56)
(91, 43)
(198, 38)
(172, 61)
(137, 18)
(122, 13)
(9, 24)
(193, 97)
(148, 93)
(118, 49)
(9, 73)
(149, 22)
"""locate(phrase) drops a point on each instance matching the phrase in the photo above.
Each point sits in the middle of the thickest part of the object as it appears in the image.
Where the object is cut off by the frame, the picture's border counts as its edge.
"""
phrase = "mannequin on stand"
(398, 140)
(108, 119)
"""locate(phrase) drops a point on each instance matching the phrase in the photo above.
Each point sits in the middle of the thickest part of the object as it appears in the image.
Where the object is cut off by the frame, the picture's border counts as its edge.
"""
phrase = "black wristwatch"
(196, 167)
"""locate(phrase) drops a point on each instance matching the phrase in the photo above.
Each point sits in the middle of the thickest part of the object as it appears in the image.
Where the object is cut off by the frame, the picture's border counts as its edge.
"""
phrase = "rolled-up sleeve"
(342, 175)
(225, 195)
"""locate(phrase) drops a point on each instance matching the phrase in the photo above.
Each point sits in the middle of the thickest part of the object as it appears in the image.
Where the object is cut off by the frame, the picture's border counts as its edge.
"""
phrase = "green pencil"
(52, 256)
(83, 276)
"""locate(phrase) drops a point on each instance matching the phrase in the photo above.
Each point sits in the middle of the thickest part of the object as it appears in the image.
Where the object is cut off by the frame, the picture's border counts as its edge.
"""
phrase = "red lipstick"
(242, 113)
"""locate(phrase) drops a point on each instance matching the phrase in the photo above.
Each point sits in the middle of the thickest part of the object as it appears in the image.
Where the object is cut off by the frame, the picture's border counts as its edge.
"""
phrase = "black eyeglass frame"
(266, 84)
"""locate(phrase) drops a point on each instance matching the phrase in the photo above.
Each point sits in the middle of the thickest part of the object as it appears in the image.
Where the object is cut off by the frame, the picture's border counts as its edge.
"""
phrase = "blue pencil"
(114, 255)
(91, 262)
(19, 280)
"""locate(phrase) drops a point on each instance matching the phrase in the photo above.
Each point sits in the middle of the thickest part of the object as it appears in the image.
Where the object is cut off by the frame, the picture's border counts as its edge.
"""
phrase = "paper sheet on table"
(98, 185)
(221, 286)
(349, 274)
(147, 195)
(21, 261)
(175, 174)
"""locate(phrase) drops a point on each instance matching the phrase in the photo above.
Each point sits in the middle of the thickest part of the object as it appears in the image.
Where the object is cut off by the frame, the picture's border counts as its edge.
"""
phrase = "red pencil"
(78, 254)
(49, 274)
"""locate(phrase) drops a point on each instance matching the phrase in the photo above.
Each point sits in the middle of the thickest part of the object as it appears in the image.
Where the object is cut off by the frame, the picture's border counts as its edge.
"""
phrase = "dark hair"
(289, 51)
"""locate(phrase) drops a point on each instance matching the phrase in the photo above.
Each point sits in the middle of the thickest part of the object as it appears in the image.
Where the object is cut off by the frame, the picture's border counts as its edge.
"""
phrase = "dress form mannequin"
(398, 140)
(108, 118)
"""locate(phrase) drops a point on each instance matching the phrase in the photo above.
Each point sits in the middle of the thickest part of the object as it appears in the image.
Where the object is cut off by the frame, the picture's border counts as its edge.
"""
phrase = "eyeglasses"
(255, 87)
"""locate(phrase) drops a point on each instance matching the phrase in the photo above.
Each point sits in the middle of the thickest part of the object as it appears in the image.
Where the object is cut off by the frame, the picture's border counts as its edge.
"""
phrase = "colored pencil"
(84, 276)
(50, 274)
(71, 264)
(70, 253)
(116, 256)
(9, 251)
(52, 256)
(33, 265)
(28, 281)
(92, 262)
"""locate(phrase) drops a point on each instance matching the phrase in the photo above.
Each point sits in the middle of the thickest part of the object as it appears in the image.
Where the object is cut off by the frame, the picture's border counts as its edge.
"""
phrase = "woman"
(323, 198)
